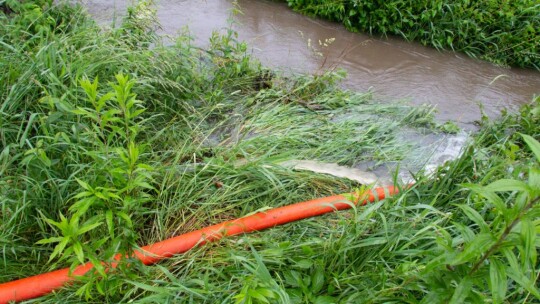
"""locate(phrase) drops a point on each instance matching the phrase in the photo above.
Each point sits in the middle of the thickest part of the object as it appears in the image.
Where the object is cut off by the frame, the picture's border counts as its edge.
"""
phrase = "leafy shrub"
(504, 32)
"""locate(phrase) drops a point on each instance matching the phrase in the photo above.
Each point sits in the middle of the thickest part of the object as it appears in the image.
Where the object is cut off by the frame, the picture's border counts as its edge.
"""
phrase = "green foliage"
(117, 184)
(109, 140)
(485, 253)
(504, 32)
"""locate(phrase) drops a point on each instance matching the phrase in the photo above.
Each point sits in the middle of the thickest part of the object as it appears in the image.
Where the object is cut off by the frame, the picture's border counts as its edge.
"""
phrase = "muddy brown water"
(392, 68)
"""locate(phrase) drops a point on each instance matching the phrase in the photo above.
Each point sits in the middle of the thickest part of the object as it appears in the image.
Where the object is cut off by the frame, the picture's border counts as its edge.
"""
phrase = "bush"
(504, 32)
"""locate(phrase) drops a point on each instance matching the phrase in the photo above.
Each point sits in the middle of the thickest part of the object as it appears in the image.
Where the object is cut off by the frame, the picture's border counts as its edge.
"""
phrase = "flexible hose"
(39, 285)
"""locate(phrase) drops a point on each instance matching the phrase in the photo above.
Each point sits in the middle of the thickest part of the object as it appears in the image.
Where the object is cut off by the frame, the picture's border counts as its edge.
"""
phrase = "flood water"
(392, 68)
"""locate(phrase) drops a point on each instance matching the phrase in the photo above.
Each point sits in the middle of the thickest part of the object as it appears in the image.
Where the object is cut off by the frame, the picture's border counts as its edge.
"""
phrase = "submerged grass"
(111, 140)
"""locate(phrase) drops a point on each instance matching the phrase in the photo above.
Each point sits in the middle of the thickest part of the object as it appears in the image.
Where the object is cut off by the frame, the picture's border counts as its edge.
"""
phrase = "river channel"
(391, 67)
(394, 69)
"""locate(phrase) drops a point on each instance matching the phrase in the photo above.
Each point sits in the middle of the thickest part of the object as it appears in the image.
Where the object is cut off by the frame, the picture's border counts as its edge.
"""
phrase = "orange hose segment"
(38, 285)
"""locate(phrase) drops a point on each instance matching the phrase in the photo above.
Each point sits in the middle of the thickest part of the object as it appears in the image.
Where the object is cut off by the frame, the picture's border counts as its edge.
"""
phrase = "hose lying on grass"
(39, 285)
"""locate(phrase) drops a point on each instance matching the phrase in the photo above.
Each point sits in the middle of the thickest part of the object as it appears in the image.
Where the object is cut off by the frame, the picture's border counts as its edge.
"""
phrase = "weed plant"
(504, 32)
(110, 141)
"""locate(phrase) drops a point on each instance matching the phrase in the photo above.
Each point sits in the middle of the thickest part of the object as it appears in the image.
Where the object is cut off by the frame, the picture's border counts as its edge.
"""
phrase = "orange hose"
(38, 285)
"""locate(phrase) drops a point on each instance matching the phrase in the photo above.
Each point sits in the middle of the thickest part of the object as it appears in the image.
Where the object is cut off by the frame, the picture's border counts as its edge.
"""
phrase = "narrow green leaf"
(534, 178)
(474, 216)
(110, 223)
(126, 218)
(151, 288)
(84, 184)
(498, 280)
(29, 125)
(53, 223)
(83, 194)
(533, 144)
(59, 248)
(98, 266)
(77, 248)
(87, 228)
(528, 236)
(50, 240)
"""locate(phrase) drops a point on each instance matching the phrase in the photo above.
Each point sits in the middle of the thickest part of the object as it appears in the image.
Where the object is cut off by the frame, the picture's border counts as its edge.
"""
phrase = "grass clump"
(110, 140)
(504, 32)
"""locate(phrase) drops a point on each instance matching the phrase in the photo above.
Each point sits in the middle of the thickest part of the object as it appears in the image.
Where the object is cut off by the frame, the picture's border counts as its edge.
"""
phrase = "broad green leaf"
(504, 185)
(466, 233)
(256, 295)
(524, 281)
(534, 178)
(77, 248)
(474, 216)
(481, 243)
(84, 184)
(83, 194)
(528, 235)
(44, 158)
(110, 223)
(98, 266)
(81, 206)
(533, 144)
(462, 291)
(304, 264)
(87, 228)
(498, 280)
(126, 218)
(317, 280)
(292, 278)
(101, 102)
(511, 258)
(325, 300)
(81, 111)
(491, 196)
(59, 248)
(266, 292)
(53, 223)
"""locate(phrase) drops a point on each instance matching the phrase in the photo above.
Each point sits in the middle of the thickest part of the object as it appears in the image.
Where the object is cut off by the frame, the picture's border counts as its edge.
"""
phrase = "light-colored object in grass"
(357, 175)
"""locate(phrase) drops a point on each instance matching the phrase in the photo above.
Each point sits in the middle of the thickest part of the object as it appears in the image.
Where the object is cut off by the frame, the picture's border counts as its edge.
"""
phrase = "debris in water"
(357, 175)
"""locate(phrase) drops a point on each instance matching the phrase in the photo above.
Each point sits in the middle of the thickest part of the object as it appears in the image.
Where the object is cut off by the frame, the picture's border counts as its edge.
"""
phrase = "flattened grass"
(212, 137)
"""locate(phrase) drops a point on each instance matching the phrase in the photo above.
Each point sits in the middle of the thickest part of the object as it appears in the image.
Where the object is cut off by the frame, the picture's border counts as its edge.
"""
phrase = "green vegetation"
(110, 140)
(504, 32)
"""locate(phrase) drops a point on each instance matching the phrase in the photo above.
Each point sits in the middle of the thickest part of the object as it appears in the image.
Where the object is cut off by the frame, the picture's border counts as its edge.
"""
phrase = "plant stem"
(505, 234)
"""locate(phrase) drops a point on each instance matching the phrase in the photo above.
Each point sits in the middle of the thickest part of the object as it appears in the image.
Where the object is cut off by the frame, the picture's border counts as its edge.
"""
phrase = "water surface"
(391, 67)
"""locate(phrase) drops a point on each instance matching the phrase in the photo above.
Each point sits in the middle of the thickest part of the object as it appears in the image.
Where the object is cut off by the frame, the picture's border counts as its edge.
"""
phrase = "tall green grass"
(504, 32)
(110, 140)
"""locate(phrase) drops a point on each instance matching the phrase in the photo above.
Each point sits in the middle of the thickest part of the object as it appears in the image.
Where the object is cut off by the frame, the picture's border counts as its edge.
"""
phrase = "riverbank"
(112, 140)
(462, 89)
(502, 32)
